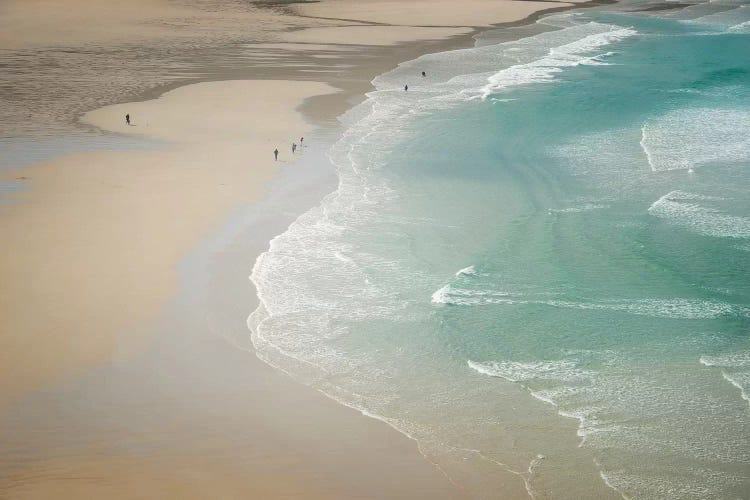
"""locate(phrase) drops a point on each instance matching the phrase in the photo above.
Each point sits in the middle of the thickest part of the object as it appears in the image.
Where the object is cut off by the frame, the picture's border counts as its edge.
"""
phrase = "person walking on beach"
(276, 154)
(301, 140)
(127, 119)
(406, 87)
(294, 147)
(424, 74)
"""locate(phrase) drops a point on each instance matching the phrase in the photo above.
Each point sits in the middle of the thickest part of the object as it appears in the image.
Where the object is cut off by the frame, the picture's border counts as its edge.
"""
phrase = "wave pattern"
(691, 138)
(674, 308)
(569, 55)
(691, 211)
(609, 395)
(735, 369)
(365, 297)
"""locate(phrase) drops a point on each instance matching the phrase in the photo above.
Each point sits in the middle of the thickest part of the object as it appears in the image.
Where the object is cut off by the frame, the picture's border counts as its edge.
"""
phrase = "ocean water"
(537, 260)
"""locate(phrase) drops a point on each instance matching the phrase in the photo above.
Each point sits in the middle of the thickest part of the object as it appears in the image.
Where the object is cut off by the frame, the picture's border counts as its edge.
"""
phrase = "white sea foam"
(514, 371)
(470, 297)
(543, 397)
(740, 381)
(466, 296)
(694, 483)
(546, 68)
(678, 308)
(734, 360)
(586, 207)
(684, 209)
(609, 483)
(466, 271)
(673, 308)
(614, 404)
(694, 137)
(564, 380)
(735, 369)
(586, 424)
(441, 296)
(741, 28)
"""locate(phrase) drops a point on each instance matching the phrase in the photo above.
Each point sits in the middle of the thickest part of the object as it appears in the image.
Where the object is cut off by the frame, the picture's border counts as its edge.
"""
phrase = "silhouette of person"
(276, 154)
(127, 119)
(301, 140)
(406, 87)
(294, 147)
(424, 74)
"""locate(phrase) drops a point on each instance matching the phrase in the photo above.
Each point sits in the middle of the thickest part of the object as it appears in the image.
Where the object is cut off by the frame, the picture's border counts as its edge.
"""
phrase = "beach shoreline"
(115, 360)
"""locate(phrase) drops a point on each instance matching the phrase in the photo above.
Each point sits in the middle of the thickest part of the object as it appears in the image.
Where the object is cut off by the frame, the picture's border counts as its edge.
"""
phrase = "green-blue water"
(537, 262)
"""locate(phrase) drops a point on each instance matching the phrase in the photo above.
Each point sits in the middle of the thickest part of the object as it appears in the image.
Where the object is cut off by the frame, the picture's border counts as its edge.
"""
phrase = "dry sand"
(428, 12)
(52, 22)
(371, 35)
(55, 23)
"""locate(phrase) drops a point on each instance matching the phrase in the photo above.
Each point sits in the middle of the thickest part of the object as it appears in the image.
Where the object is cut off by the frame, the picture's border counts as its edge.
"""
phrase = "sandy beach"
(113, 224)
(126, 369)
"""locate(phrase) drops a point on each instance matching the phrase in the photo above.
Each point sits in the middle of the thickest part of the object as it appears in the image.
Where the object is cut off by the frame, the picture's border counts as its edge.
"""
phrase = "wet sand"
(125, 364)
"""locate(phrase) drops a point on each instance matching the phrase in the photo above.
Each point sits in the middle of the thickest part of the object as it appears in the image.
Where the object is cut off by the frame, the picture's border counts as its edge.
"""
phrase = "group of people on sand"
(294, 149)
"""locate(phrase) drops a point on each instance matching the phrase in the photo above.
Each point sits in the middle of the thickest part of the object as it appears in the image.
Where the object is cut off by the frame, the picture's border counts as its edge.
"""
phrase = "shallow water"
(537, 259)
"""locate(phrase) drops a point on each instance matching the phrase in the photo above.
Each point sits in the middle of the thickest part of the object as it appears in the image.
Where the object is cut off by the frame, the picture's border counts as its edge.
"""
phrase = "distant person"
(424, 74)
(127, 119)
(406, 87)
(301, 140)
(294, 147)
(276, 154)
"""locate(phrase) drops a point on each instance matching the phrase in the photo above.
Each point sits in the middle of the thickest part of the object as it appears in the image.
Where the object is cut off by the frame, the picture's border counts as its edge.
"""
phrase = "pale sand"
(41, 23)
(92, 248)
(371, 35)
(53, 22)
(428, 12)
(215, 115)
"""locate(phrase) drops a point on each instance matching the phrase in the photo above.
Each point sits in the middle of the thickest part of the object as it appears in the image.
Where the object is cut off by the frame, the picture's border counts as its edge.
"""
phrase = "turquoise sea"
(537, 260)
